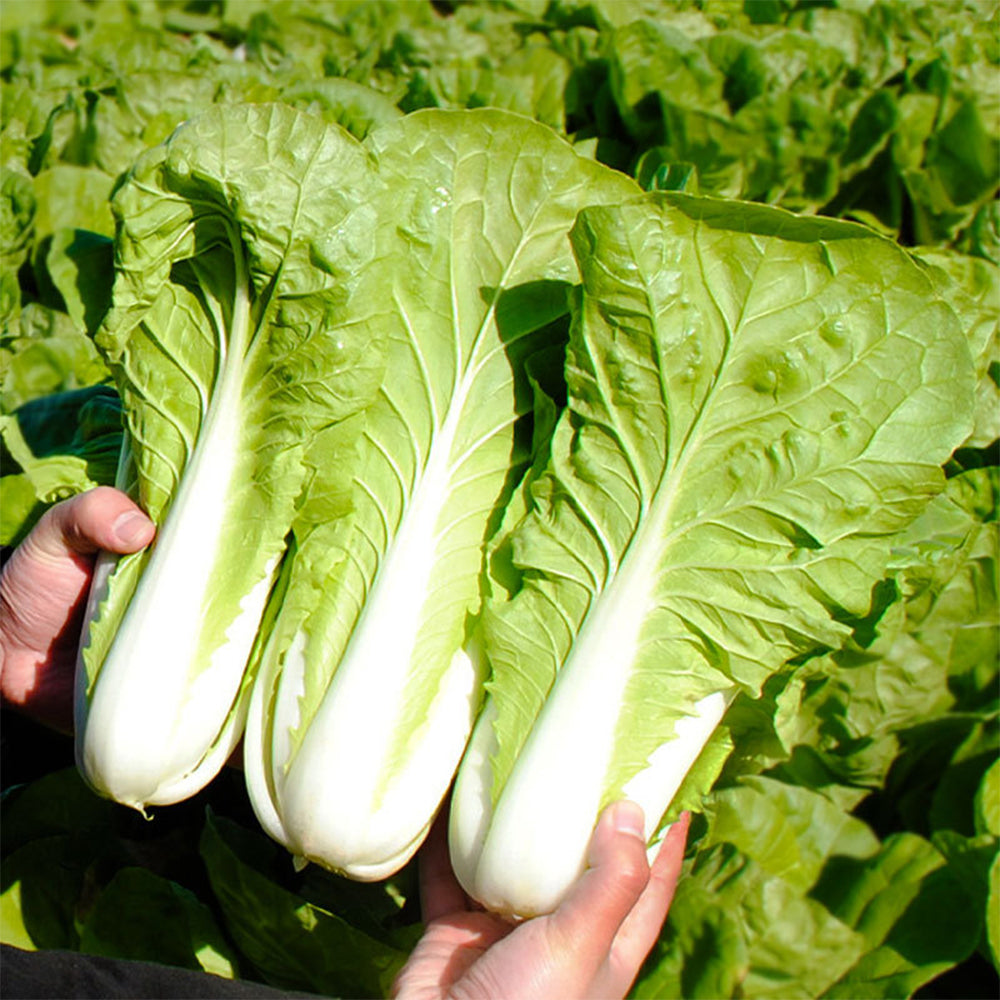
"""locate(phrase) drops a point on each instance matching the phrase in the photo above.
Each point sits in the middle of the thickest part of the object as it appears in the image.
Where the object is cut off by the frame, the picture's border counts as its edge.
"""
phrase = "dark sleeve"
(58, 975)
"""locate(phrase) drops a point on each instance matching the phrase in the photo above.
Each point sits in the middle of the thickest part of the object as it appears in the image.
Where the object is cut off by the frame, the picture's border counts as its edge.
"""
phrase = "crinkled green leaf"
(948, 572)
(948, 159)
(735, 930)
(357, 108)
(47, 353)
(931, 649)
(17, 213)
(531, 81)
(896, 903)
(79, 265)
(971, 859)
(722, 376)
(974, 291)
(952, 806)
(72, 197)
(787, 829)
(57, 445)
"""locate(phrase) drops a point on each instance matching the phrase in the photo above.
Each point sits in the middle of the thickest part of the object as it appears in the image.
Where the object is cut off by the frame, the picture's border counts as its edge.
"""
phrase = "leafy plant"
(230, 348)
(720, 496)
(473, 261)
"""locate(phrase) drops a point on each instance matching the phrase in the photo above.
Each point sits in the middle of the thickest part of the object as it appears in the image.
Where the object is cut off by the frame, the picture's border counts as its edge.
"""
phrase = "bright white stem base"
(332, 807)
(656, 785)
(522, 859)
(265, 752)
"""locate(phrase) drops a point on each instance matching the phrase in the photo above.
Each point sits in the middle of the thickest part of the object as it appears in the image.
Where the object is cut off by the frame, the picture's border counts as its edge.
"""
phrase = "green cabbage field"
(539, 401)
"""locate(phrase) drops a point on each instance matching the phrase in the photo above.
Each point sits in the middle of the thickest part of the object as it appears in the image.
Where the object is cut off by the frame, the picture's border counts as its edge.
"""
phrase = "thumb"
(42, 588)
(102, 518)
(588, 919)
(46, 576)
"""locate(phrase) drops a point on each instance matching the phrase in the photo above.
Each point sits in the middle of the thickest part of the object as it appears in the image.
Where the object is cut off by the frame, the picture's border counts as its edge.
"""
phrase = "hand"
(43, 589)
(592, 946)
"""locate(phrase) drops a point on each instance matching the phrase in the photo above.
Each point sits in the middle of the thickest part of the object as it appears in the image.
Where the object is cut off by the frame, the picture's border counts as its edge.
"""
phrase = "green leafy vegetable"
(719, 500)
(863, 763)
(53, 447)
(293, 942)
(356, 726)
(232, 343)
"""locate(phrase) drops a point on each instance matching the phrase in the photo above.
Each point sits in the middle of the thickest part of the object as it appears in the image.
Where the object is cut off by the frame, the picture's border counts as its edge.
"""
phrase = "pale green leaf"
(753, 405)
(787, 829)
(896, 902)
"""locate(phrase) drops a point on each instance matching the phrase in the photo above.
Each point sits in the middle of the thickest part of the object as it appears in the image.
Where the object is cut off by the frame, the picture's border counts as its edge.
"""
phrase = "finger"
(44, 582)
(643, 925)
(102, 518)
(42, 591)
(588, 920)
(667, 866)
(440, 893)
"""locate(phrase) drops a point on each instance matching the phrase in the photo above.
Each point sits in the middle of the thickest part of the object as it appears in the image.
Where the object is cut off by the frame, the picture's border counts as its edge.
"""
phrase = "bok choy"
(233, 341)
(370, 681)
(757, 402)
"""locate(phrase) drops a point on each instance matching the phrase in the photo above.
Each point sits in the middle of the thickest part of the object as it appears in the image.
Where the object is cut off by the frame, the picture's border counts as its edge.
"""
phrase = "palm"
(451, 954)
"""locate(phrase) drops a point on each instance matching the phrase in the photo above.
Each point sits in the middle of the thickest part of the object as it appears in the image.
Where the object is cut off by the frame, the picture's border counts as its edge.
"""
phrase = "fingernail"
(679, 827)
(131, 527)
(629, 819)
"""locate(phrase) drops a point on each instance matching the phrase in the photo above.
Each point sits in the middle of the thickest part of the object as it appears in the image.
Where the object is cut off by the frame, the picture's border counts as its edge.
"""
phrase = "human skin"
(43, 589)
(591, 946)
